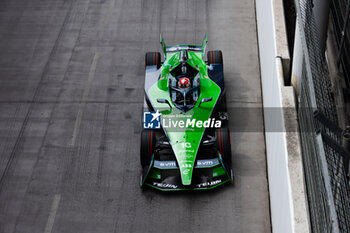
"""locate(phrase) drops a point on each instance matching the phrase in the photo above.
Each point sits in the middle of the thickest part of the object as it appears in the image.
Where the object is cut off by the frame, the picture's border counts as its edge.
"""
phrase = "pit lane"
(71, 79)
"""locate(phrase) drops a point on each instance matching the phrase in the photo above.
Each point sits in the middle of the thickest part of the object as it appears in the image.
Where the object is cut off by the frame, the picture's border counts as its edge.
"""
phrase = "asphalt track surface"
(71, 92)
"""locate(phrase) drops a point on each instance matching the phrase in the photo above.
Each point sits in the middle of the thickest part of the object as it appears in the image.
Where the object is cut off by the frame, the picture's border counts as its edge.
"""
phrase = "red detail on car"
(184, 82)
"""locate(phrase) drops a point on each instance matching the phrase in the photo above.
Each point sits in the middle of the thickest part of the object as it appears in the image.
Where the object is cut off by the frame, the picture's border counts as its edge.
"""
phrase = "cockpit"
(184, 83)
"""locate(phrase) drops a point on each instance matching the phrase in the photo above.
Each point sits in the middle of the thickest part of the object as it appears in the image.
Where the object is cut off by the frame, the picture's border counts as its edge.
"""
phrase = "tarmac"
(71, 96)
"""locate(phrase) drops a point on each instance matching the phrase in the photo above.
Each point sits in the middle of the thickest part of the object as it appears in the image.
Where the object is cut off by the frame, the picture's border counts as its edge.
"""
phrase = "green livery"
(189, 93)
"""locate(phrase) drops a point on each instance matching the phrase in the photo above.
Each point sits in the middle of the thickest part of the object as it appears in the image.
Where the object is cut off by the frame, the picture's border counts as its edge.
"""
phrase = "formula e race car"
(185, 143)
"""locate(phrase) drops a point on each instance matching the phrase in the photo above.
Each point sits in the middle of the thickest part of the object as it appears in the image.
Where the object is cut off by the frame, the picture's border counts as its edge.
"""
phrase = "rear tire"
(223, 144)
(215, 57)
(153, 59)
(148, 142)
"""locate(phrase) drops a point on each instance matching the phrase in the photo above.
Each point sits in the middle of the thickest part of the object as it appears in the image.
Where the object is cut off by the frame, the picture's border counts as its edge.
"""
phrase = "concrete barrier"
(285, 170)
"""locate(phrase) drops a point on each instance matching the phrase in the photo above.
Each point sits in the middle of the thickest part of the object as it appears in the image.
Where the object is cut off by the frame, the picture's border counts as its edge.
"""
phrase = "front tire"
(153, 59)
(215, 57)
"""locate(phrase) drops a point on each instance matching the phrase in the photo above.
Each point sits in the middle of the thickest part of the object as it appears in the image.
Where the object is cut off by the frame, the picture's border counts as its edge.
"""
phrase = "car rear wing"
(177, 48)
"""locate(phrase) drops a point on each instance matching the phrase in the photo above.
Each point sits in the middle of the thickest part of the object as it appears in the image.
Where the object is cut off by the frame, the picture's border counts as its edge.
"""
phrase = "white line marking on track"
(83, 100)
(110, 11)
(53, 211)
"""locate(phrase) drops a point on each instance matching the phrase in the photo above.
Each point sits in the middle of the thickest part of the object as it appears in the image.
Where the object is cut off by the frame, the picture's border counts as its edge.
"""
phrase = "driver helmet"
(184, 82)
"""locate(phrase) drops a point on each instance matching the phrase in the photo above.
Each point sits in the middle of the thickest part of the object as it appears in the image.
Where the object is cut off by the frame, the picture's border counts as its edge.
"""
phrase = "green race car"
(185, 143)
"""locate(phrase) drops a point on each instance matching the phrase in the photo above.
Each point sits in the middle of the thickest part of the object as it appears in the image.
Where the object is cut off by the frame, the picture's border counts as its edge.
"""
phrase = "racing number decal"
(186, 145)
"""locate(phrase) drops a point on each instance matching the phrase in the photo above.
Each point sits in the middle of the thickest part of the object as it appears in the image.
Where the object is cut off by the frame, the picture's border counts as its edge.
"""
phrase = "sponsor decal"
(168, 164)
(207, 162)
(187, 151)
(186, 171)
(206, 184)
(165, 164)
(186, 164)
(163, 185)
(151, 120)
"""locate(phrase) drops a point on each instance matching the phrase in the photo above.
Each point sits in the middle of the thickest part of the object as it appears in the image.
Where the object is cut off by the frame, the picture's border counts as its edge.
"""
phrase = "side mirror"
(164, 101)
(205, 100)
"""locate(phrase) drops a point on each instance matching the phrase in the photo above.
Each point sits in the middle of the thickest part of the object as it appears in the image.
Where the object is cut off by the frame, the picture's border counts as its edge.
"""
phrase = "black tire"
(215, 57)
(148, 142)
(153, 59)
(223, 144)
